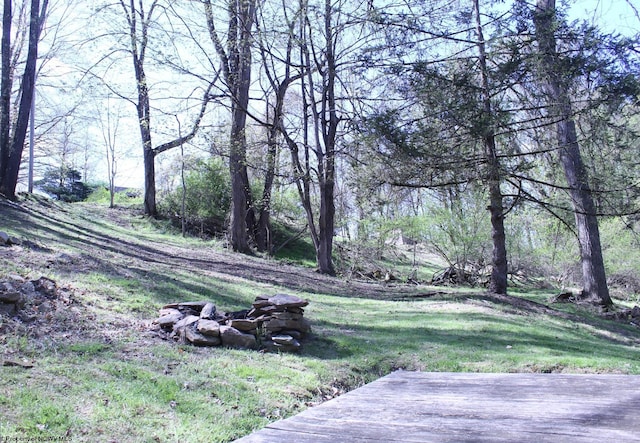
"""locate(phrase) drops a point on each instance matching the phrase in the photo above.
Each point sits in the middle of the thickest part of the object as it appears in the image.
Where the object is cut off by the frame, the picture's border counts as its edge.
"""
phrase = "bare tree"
(109, 123)
(317, 63)
(139, 23)
(278, 68)
(328, 35)
(236, 68)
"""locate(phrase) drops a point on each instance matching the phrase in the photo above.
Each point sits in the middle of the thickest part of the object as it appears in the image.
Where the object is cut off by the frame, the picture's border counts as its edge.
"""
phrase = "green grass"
(101, 195)
(292, 247)
(104, 376)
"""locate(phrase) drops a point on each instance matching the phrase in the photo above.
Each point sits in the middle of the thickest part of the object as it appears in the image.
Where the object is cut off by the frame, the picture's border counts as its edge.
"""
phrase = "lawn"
(101, 373)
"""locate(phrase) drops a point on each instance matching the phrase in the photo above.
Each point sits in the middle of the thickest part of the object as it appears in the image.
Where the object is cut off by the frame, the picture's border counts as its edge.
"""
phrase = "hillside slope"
(87, 365)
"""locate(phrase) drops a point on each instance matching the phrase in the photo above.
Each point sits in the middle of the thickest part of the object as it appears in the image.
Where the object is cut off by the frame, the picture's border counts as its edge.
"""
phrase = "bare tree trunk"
(328, 125)
(498, 283)
(144, 124)
(320, 123)
(264, 240)
(593, 271)
(238, 228)
(109, 135)
(12, 165)
(239, 78)
(149, 158)
(5, 88)
(236, 66)
(326, 228)
(138, 40)
(302, 171)
(274, 123)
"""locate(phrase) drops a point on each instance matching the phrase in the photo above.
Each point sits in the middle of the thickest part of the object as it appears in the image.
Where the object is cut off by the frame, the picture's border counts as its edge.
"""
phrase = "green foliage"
(207, 198)
(64, 184)
(457, 228)
(540, 245)
(286, 206)
(621, 243)
(621, 249)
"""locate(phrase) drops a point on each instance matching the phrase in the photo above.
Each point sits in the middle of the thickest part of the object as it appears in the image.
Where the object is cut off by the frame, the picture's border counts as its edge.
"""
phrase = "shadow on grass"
(163, 273)
(147, 274)
(93, 241)
(486, 337)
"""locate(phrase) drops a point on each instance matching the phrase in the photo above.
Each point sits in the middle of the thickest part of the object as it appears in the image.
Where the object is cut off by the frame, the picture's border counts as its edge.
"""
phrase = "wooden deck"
(464, 407)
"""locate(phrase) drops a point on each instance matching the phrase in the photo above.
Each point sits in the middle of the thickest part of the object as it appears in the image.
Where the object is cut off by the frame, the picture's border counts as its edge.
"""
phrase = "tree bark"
(143, 108)
(144, 124)
(499, 269)
(12, 163)
(264, 241)
(5, 88)
(239, 78)
(236, 67)
(326, 160)
(559, 104)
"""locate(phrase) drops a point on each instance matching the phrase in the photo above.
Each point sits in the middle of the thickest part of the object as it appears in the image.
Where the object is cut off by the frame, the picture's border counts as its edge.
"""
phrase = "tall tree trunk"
(144, 123)
(236, 67)
(498, 283)
(12, 165)
(149, 155)
(559, 103)
(239, 228)
(143, 108)
(319, 132)
(139, 23)
(5, 88)
(264, 239)
(239, 81)
(138, 51)
(326, 168)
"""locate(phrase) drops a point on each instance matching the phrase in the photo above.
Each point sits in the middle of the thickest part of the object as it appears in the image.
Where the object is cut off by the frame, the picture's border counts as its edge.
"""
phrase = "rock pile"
(16, 292)
(273, 323)
(18, 296)
(6, 240)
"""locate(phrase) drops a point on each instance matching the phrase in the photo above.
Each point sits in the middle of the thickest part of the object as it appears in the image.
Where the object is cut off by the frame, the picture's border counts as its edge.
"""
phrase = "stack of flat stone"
(274, 323)
(282, 320)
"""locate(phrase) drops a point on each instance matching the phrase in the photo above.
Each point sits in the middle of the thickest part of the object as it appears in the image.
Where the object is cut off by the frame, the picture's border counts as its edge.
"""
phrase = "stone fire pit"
(274, 322)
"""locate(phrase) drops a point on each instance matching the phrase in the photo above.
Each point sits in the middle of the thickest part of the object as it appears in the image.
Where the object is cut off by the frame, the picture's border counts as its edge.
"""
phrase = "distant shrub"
(64, 184)
(207, 199)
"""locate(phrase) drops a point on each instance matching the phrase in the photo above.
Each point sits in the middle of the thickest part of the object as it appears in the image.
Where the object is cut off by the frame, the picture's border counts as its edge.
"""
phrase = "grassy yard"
(100, 373)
